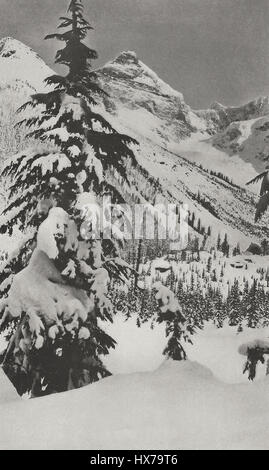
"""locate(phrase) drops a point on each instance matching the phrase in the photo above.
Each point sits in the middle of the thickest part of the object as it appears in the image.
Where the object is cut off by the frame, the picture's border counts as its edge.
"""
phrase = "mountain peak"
(19, 63)
(11, 48)
(127, 57)
(127, 66)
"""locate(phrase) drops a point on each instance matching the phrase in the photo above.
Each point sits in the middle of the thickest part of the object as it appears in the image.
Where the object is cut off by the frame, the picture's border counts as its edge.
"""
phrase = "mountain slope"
(221, 205)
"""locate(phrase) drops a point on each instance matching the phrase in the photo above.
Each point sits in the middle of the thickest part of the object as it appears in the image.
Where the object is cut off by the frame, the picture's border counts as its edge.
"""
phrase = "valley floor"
(140, 349)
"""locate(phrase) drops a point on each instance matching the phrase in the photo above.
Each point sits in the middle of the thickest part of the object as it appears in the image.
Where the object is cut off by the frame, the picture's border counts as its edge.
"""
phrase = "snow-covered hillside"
(230, 208)
(179, 406)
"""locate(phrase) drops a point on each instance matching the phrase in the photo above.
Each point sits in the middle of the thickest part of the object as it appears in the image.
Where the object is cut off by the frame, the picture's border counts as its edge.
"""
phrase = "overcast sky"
(210, 50)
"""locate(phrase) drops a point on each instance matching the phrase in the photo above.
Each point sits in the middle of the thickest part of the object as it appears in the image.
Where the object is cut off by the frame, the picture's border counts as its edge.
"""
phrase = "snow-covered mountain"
(248, 139)
(145, 102)
(20, 66)
(175, 139)
(22, 72)
(252, 110)
(138, 92)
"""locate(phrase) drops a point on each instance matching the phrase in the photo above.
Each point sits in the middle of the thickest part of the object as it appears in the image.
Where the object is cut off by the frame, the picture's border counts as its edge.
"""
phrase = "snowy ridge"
(14, 49)
(251, 110)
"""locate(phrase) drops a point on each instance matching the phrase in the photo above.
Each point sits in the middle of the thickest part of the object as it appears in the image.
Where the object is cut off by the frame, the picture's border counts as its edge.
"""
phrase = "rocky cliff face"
(141, 98)
(252, 110)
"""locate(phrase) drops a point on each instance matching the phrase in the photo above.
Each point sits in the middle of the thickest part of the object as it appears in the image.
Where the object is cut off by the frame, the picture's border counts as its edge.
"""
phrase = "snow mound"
(179, 406)
(191, 368)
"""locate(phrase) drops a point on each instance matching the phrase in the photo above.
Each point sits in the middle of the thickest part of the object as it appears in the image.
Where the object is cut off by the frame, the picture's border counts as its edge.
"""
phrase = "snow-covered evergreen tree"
(177, 329)
(234, 304)
(253, 305)
(55, 285)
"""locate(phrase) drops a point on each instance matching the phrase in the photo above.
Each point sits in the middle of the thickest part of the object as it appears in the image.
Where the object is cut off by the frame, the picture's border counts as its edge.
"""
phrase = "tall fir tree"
(55, 285)
(253, 305)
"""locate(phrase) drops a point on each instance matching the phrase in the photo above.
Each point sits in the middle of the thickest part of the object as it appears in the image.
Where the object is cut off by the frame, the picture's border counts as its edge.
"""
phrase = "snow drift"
(179, 406)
